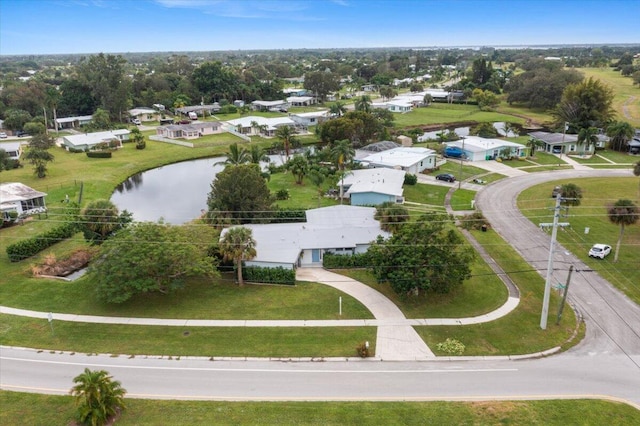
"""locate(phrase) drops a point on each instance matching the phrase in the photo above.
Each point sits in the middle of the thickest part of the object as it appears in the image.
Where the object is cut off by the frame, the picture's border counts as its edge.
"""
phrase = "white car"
(136, 121)
(3, 135)
(599, 250)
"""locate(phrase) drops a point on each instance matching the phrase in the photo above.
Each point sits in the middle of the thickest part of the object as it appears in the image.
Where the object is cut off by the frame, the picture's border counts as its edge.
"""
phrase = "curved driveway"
(606, 364)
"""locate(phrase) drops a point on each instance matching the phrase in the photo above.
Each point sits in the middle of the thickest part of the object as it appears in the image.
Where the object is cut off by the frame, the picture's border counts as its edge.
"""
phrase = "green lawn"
(601, 157)
(592, 213)
(461, 199)
(441, 113)
(518, 332)
(432, 196)
(623, 89)
(304, 196)
(40, 410)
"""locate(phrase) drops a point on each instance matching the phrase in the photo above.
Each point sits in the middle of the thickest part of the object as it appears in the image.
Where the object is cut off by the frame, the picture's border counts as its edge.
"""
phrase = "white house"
(301, 101)
(371, 187)
(410, 159)
(255, 125)
(20, 199)
(13, 149)
(307, 119)
(192, 130)
(337, 229)
(144, 114)
(269, 105)
(479, 149)
(72, 122)
(90, 140)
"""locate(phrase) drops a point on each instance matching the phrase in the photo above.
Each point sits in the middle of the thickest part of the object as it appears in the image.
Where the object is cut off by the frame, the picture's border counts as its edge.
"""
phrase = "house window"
(573, 148)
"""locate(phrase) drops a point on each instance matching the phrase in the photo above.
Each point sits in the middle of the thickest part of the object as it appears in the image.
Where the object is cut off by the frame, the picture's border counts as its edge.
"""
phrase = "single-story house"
(270, 105)
(199, 109)
(13, 149)
(301, 101)
(72, 122)
(21, 199)
(192, 130)
(410, 159)
(255, 125)
(144, 114)
(310, 118)
(480, 149)
(339, 229)
(238, 103)
(369, 88)
(294, 91)
(89, 140)
(371, 187)
(559, 143)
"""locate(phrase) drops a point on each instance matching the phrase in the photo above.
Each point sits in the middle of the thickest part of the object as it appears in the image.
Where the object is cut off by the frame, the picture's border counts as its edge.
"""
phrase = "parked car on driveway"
(454, 152)
(448, 177)
(20, 133)
(3, 135)
(599, 250)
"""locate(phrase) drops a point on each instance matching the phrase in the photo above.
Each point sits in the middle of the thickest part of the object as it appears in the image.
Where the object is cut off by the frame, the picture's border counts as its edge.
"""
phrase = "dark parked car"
(448, 177)
(20, 133)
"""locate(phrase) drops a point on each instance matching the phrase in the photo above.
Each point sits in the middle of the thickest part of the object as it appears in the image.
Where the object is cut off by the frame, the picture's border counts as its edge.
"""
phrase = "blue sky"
(115, 26)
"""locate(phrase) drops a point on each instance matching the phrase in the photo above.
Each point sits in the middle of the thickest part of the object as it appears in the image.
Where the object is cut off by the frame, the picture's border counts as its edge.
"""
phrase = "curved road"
(606, 364)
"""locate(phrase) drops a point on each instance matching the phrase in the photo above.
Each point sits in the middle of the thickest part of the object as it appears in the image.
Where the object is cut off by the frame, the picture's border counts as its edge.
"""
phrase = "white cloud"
(249, 9)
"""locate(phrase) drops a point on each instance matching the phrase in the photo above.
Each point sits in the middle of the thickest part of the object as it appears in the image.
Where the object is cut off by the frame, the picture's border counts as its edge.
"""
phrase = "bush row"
(99, 154)
(34, 245)
(277, 275)
(338, 261)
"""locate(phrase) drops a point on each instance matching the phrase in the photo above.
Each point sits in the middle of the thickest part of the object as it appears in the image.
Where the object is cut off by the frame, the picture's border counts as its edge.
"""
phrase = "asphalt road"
(605, 365)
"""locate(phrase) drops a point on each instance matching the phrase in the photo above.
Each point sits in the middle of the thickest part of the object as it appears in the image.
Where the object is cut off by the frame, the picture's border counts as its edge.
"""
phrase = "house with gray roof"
(410, 159)
(341, 229)
(72, 122)
(372, 187)
(144, 114)
(90, 140)
(559, 143)
(255, 125)
(13, 149)
(192, 130)
(18, 198)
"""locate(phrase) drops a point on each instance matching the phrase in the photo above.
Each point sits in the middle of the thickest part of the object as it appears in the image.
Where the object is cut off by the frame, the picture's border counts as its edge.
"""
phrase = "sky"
(119, 26)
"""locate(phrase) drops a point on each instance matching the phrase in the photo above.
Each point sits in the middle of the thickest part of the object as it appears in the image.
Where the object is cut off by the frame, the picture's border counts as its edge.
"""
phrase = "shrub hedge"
(34, 245)
(277, 275)
(99, 154)
(338, 261)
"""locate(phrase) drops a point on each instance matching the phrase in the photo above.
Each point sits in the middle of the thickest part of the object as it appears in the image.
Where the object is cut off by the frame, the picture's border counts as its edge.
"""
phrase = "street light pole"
(547, 285)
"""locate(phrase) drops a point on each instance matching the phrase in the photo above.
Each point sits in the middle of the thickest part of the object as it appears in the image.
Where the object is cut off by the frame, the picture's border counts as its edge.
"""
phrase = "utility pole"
(461, 162)
(547, 285)
(564, 296)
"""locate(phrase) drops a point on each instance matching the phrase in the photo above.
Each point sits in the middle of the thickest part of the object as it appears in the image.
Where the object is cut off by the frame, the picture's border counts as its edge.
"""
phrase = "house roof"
(95, 138)
(328, 227)
(193, 126)
(16, 191)
(554, 138)
(72, 119)
(299, 99)
(381, 181)
(10, 146)
(138, 111)
(271, 123)
(269, 103)
(401, 156)
(323, 113)
(478, 144)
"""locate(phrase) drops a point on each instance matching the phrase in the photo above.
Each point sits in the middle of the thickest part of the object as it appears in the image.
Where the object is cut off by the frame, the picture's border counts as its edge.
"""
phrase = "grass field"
(41, 410)
(438, 113)
(626, 101)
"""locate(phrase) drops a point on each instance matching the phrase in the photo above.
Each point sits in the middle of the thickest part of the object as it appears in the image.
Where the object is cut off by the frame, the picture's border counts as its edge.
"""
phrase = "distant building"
(20, 199)
(90, 140)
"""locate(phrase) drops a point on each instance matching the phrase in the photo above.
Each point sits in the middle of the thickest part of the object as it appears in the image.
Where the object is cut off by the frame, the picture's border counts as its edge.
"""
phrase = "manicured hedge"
(288, 216)
(277, 275)
(31, 246)
(337, 261)
(99, 154)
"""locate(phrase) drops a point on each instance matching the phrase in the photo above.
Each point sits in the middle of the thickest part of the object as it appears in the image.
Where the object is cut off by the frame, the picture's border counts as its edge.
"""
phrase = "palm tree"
(363, 103)
(623, 213)
(510, 128)
(286, 135)
(299, 166)
(100, 220)
(620, 133)
(532, 144)
(255, 126)
(98, 397)
(571, 195)
(342, 153)
(588, 136)
(256, 155)
(317, 178)
(238, 245)
(235, 155)
(337, 109)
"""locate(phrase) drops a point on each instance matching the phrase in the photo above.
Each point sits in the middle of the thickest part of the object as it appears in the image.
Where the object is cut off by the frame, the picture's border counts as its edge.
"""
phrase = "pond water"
(176, 193)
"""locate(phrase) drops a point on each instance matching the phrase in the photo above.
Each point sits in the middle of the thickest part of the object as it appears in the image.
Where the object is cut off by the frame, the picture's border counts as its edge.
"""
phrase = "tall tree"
(620, 133)
(622, 212)
(109, 83)
(391, 216)
(342, 153)
(38, 153)
(149, 257)
(299, 167)
(571, 195)
(236, 155)
(98, 397)
(238, 245)
(363, 103)
(321, 83)
(215, 81)
(427, 255)
(239, 194)
(533, 144)
(586, 104)
(337, 109)
(256, 155)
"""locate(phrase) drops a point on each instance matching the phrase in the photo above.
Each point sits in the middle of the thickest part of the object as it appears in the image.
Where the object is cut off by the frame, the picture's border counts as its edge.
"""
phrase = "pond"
(176, 193)
(462, 131)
